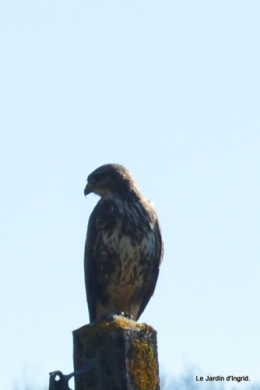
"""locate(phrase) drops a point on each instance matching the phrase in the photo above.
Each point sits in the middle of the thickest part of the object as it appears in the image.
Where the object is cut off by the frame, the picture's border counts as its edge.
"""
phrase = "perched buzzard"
(123, 248)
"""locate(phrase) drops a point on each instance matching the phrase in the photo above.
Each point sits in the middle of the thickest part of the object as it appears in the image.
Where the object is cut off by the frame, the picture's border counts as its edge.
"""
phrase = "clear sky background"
(171, 90)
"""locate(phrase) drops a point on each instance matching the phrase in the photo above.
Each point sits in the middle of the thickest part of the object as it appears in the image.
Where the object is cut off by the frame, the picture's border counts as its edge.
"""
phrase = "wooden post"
(119, 354)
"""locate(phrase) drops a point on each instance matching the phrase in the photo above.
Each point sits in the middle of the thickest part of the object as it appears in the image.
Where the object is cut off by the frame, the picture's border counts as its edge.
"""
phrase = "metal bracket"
(63, 382)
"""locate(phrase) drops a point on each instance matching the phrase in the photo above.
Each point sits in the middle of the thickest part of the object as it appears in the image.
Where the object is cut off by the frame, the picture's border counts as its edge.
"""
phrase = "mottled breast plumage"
(123, 247)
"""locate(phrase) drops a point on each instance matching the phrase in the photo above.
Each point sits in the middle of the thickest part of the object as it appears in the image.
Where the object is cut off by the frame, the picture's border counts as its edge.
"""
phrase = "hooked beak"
(87, 190)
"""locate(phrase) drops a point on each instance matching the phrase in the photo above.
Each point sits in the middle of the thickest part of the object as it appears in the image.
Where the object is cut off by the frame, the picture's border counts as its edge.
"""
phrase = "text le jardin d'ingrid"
(221, 378)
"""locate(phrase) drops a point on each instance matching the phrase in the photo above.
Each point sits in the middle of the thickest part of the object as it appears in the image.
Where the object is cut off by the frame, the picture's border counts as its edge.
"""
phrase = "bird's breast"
(132, 234)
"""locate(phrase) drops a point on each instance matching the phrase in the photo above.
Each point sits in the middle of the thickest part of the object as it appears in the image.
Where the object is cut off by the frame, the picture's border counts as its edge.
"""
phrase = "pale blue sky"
(171, 90)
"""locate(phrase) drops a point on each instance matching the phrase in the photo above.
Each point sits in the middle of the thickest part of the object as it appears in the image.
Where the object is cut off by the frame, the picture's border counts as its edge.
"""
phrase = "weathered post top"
(124, 353)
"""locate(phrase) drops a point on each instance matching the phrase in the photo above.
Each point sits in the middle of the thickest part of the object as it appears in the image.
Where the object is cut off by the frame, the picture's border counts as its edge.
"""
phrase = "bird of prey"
(123, 249)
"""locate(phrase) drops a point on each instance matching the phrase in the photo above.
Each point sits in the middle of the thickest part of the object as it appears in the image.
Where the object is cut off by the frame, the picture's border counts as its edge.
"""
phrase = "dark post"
(117, 354)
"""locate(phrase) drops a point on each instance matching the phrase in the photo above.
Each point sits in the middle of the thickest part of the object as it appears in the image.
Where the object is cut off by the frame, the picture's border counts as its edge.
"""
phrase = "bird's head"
(110, 179)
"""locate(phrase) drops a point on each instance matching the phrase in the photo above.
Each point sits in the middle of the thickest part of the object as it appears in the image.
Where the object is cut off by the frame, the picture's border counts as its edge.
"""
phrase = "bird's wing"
(89, 264)
(149, 286)
(96, 258)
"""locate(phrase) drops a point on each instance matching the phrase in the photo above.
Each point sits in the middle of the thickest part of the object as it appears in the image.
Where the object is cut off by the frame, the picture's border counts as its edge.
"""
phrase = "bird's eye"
(94, 178)
(98, 177)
